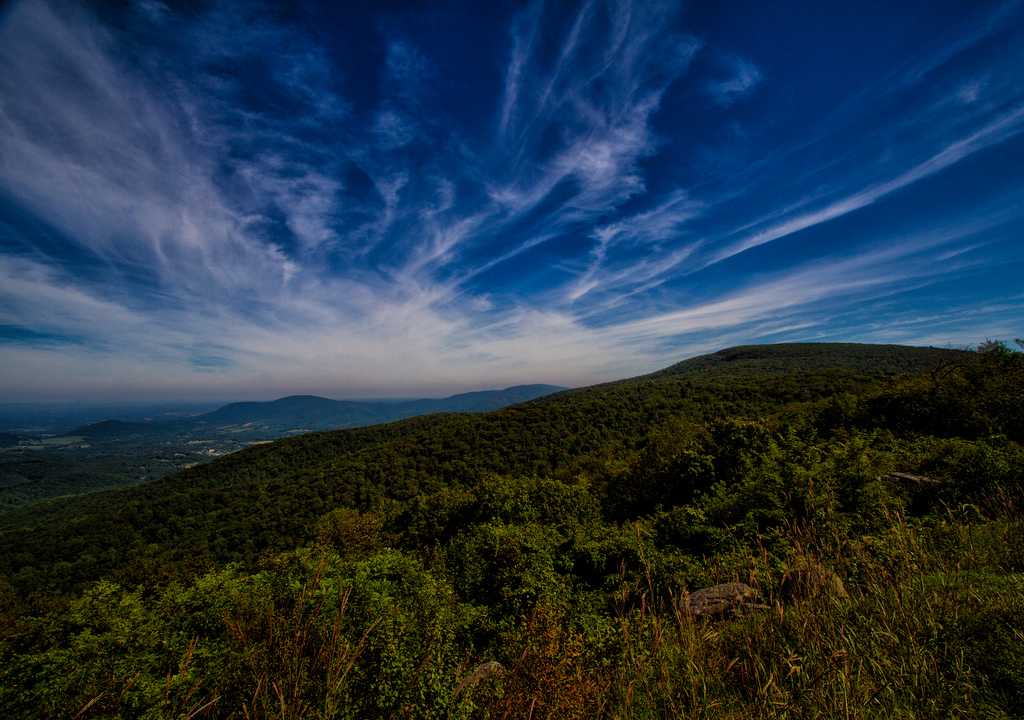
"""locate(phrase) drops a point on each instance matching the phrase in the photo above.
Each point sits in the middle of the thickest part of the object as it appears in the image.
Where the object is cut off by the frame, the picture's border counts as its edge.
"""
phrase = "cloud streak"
(996, 132)
(193, 206)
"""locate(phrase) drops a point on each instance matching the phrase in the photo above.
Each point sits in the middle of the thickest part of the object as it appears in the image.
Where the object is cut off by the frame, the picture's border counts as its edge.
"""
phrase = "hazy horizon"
(175, 399)
(247, 201)
(206, 404)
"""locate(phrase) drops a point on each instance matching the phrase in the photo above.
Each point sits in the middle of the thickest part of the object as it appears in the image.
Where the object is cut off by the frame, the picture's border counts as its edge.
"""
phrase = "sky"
(246, 200)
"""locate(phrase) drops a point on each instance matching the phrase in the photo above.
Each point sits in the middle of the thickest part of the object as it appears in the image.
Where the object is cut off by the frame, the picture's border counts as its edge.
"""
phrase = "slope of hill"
(118, 453)
(478, 401)
(537, 560)
(109, 430)
(877, 360)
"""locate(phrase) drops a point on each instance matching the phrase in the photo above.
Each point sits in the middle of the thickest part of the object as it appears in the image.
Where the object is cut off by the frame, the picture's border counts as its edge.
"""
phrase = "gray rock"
(910, 480)
(721, 599)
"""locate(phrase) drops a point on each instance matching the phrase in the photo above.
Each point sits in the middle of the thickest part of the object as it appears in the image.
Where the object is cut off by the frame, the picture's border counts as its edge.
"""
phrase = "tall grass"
(930, 627)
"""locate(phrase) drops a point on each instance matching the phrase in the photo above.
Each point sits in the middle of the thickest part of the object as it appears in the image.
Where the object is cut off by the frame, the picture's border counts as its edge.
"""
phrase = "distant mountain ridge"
(305, 413)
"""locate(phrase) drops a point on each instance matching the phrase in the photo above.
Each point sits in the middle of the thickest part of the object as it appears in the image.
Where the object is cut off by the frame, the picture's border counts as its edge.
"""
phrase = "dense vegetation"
(29, 476)
(535, 562)
(110, 453)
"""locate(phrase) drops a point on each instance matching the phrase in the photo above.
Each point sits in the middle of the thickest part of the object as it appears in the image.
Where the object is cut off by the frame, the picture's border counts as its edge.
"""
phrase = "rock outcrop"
(910, 480)
(719, 600)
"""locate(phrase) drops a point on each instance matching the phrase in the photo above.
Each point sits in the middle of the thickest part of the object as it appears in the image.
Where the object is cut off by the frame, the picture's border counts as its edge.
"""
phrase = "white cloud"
(154, 181)
(661, 224)
(998, 130)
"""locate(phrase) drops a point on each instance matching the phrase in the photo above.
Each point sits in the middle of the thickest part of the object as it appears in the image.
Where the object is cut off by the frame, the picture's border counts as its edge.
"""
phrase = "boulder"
(911, 481)
(919, 490)
(721, 599)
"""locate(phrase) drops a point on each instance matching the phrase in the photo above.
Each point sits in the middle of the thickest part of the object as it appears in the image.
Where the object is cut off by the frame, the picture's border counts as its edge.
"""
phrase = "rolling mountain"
(306, 413)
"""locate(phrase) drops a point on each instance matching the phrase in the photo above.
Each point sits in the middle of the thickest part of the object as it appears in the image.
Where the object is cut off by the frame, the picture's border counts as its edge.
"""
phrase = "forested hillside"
(269, 497)
(537, 561)
(116, 453)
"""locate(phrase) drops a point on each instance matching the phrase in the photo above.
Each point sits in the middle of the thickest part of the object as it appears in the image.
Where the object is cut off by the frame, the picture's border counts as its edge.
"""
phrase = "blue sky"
(238, 200)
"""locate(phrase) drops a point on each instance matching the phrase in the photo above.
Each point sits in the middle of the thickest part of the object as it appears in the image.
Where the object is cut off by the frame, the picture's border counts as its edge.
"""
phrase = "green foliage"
(34, 474)
(269, 497)
(351, 532)
(535, 561)
(511, 568)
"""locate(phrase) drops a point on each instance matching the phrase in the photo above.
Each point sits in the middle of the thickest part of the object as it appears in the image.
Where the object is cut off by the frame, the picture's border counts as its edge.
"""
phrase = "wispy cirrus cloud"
(995, 132)
(201, 205)
(649, 230)
(741, 78)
